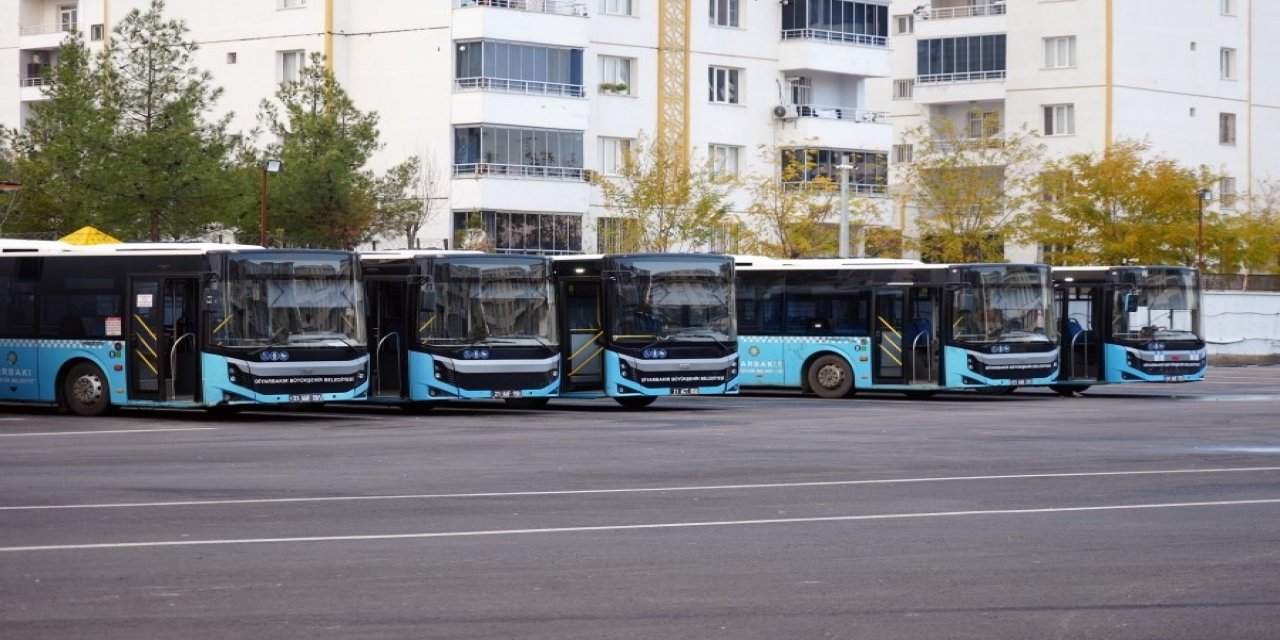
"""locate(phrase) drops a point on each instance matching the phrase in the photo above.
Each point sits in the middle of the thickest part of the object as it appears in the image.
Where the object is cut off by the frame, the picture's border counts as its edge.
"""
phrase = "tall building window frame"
(838, 21)
(870, 172)
(617, 75)
(1226, 128)
(1227, 7)
(1227, 63)
(725, 13)
(1227, 192)
(724, 85)
(68, 17)
(1059, 119)
(1060, 52)
(529, 232)
(518, 67)
(517, 152)
(724, 159)
(904, 24)
(904, 89)
(289, 64)
(614, 153)
(618, 7)
(962, 58)
(285, 5)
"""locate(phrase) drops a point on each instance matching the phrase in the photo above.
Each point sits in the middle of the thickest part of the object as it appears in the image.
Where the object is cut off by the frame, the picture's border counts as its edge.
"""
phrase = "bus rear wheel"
(635, 402)
(85, 390)
(830, 377)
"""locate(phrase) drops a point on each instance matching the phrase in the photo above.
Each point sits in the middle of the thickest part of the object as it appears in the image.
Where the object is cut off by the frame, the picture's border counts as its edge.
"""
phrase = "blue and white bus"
(1129, 324)
(447, 325)
(833, 327)
(640, 326)
(179, 325)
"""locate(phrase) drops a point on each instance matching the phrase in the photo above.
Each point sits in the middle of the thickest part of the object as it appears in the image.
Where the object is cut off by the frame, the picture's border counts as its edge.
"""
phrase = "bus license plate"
(508, 394)
(684, 392)
(307, 397)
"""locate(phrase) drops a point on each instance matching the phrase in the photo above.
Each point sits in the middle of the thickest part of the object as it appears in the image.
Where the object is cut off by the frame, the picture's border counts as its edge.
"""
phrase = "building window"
(616, 75)
(983, 124)
(961, 59)
(904, 24)
(96, 31)
(289, 65)
(724, 13)
(1227, 192)
(723, 85)
(231, 57)
(518, 68)
(68, 17)
(903, 153)
(1228, 7)
(517, 152)
(519, 231)
(1059, 119)
(724, 159)
(1060, 52)
(869, 175)
(291, 4)
(617, 7)
(837, 21)
(903, 89)
(1227, 63)
(610, 234)
(614, 154)
(1226, 128)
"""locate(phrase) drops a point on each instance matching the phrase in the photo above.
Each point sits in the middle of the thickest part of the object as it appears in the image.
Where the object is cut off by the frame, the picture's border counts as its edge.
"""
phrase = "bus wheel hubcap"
(830, 376)
(87, 390)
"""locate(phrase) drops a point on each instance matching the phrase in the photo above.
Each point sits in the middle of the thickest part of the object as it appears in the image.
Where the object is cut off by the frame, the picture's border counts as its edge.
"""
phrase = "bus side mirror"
(1131, 303)
(427, 298)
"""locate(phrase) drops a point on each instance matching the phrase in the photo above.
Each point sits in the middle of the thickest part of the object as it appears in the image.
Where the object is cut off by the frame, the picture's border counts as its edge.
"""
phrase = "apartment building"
(517, 101)
(1189, 77)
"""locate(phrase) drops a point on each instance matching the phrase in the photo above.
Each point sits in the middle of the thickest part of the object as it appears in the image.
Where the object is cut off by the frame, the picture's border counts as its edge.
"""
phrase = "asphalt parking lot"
(1148, 511)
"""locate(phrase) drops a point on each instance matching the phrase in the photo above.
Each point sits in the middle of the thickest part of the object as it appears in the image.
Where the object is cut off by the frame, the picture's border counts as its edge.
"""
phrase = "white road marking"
(572, 492)
(90, 433)
(635, 527)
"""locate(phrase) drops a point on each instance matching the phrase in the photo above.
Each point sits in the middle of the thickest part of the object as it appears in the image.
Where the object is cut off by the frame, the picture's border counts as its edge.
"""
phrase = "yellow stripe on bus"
(143, 323)
(585, 362)
(585, 345)
(222, 324)
(143, 357)
(888, 326)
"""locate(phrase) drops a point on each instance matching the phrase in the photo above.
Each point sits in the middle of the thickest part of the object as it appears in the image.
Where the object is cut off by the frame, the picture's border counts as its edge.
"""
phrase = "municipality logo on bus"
(275, 356)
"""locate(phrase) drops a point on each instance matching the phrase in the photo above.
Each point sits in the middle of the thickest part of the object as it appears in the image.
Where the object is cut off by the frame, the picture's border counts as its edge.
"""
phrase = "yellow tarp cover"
(88, 235)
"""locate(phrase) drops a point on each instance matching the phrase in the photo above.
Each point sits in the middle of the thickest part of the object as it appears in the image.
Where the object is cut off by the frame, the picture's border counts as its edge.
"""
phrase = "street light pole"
(1201, 196)
(268, 167)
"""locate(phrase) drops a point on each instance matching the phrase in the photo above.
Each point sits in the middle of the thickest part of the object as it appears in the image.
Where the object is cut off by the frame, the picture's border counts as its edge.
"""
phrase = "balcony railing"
(41, 29)
(964, 76)
(840, 113)
(481, 169)
(519, 86)
(558, 7)
(838, 37)
(970, 11)
(861, 189)
(34, 81)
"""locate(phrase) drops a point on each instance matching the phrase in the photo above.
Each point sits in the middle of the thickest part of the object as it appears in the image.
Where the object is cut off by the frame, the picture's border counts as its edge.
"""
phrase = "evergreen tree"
(171, 172)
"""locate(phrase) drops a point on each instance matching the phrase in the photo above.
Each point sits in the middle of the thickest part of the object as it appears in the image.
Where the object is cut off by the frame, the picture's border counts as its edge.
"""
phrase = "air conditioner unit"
(785, 112)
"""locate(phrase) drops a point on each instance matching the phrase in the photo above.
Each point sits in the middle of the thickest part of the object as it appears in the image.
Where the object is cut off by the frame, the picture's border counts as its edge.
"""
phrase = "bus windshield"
(679, 298)
(290, 299)
(494, 301)
(1004, 303)
(1157, 303)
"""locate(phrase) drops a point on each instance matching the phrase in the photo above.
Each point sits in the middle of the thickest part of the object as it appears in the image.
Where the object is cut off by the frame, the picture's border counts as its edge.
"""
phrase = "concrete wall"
(1242, 327)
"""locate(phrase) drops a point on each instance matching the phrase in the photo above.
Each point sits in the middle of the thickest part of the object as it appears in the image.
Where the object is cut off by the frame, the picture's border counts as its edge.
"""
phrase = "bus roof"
(148, 248)
(16, 245)
(819, 263)
(400, 254)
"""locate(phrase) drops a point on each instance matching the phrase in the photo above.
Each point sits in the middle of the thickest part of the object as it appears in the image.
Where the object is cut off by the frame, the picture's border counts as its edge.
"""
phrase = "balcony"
(43, 36)
(529, 87)
(848, 54)
(518, 171)
(964, 76)
(945, 11)
(558, 7)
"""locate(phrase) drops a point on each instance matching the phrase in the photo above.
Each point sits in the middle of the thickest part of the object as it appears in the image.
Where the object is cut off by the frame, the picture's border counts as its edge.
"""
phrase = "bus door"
(386, 310)
(905, 340)
(583, 351)
(163, 354)
(1079, 307)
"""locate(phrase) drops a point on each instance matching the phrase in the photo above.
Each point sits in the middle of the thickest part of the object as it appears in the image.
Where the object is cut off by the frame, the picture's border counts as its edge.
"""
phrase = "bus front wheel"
(830, 377)
(85, 390)
(635, 402)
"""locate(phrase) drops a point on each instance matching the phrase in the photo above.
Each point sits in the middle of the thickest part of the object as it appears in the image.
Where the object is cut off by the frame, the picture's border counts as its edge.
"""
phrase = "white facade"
(1150, 70)
(398, 58)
